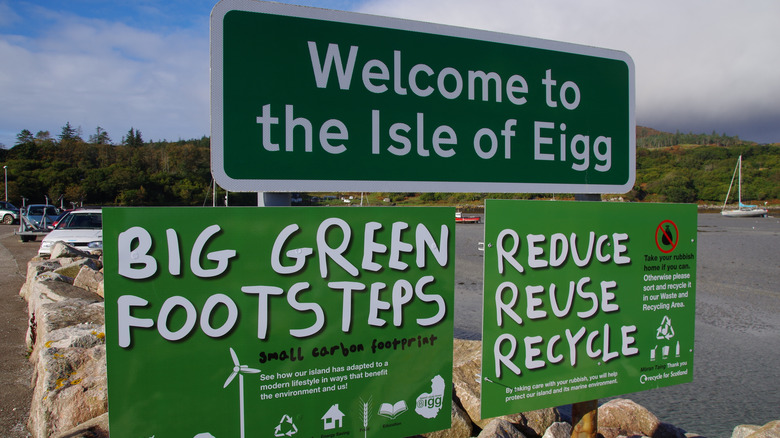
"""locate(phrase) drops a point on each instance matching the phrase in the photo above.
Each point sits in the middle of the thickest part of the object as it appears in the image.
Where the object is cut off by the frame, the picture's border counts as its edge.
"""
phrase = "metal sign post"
(584, 415)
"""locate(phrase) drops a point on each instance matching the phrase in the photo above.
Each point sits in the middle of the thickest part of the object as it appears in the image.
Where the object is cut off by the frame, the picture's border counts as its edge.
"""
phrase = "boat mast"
(726, 201)
(740, 182)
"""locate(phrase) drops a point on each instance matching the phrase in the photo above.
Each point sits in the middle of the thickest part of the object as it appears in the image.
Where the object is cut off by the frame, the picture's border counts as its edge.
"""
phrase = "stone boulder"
(622, 417)
(465, 380)
(34, 269)
(558, 430)
(63, 250)
(46, 292)
(66, 336)
(500, 428)
(48, 288)
(90, 279)
(73, 268)
(464, 351)
(769, 430)
(68, 313)
(743, 430)
(462, 427)
(94, 428)
(70, 380)
(536, 423)
(467, 369)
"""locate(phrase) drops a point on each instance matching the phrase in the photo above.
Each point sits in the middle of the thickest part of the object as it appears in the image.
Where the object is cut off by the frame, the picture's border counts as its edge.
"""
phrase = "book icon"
(392, 410)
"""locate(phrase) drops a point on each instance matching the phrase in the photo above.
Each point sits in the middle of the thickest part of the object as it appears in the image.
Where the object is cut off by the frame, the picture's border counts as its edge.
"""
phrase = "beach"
(737, 340)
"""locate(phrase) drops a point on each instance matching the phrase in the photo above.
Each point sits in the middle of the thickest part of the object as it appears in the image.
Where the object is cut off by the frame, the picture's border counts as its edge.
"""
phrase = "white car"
(82, 229)
(9, 214)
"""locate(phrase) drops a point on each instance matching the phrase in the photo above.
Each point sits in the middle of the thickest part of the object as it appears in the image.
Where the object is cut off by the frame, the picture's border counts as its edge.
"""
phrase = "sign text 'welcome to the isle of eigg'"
(307, 99)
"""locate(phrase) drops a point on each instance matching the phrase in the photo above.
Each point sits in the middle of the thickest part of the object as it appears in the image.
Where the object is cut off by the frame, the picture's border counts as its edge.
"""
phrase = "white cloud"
(701, 65)
(101, 73)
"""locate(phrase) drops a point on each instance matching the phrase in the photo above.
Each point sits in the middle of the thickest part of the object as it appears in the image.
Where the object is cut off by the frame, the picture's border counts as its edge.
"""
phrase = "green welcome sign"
(307, 99)
(279, 322)
(585, 301)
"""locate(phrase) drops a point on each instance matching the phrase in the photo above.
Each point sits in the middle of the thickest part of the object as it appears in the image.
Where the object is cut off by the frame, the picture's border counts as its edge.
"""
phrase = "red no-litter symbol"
(666, 239)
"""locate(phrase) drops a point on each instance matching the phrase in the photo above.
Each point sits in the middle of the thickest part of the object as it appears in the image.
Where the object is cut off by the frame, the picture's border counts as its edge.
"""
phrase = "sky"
(701, 65)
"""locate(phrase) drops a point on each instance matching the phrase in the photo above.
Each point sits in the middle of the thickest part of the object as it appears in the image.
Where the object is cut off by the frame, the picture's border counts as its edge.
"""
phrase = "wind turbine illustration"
(239, 370)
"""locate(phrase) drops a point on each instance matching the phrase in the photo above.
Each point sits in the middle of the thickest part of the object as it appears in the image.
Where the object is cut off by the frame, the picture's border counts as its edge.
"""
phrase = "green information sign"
(585, 300)
(307, 99)
(279, 322)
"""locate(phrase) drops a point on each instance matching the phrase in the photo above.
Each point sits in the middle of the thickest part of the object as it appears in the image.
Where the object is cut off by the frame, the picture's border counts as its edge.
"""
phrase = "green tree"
(100, 137)
(25, 148)
(24, 137)
(69, 133)
(133, 138)
(43, 136)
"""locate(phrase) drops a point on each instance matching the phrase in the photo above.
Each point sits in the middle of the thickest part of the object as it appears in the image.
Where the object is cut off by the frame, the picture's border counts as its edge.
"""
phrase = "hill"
(70, 171)
(651, 138)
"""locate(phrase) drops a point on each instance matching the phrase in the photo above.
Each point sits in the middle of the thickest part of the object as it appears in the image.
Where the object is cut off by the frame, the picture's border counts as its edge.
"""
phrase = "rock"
(34, 268)
(669, 430)
(464, 351)
(743, 430)
(467, 365)
(500, 428)
(73, 268)
(94, 428)
(67, 337)
(769, 430)
(625, 417)
(42, 292)
(70, 381)
(462, 427)
(536, 423)
(558, 430)
(84, 335)
(465, 380)
(62, 250)
(55, 276)
(55, 316)
(41, 270)
(90, 279)
(48, 292)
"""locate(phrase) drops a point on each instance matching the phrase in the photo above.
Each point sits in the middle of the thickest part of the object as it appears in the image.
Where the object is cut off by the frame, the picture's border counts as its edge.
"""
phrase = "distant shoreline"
(773, 209)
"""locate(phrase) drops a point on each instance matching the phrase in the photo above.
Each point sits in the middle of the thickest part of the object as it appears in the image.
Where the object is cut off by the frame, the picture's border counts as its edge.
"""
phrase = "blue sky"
(701, 65)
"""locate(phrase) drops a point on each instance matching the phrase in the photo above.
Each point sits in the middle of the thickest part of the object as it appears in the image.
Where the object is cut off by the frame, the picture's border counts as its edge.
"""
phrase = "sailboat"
(742, 209)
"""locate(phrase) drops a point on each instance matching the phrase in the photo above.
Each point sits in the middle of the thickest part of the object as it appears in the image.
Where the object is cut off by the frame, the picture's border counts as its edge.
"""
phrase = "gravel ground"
(16, 392)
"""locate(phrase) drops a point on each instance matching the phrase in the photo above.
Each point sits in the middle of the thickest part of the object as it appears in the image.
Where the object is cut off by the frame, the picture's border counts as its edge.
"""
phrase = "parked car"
(82, 229)
(41, 215)
(60, 219)
(8, 212)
